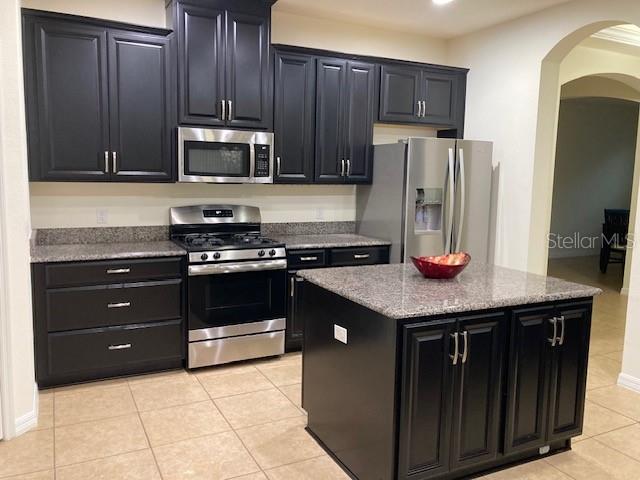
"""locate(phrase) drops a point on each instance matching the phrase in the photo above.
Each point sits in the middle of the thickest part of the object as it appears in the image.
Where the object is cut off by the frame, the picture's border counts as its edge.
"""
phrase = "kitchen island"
(407, 378)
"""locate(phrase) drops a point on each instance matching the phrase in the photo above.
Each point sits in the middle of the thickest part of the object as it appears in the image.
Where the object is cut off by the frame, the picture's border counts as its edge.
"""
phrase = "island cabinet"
(392, 395)
(224, 65)
(99, 100)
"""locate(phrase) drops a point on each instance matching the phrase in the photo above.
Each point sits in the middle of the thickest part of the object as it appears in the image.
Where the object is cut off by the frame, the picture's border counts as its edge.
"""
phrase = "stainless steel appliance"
(236, 286)
(431, 196)
(213, 155)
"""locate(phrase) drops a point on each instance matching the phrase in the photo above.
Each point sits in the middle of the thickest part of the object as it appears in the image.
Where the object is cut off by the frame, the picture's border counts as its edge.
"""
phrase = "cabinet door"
(72, 108)
(438, 93)
(139, 98)
(477, 404)
(200, 65)
(359, 121)
(295, 324)
(294, 117)
(399, 94)
(528, 386)
(426, 398)
(248, 83)
(569, 372)
(330, 100)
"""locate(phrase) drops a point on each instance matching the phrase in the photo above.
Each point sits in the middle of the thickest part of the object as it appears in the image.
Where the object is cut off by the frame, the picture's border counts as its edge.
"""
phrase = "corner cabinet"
(224, 65)
(98, 100)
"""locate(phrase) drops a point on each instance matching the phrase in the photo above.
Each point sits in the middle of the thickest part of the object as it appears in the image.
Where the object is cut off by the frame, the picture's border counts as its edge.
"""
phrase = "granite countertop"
(329, 240)
(104, 251)
(399, 291)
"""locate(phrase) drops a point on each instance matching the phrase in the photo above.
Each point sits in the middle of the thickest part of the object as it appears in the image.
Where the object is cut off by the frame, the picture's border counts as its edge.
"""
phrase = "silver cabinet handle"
(230, 116)
(342, 167)
(278, 166)
(456, 353)
(465, 354)
(424, 108)
(463, 200)
(361, 256)
(419, 114)
(561, 341)
(554, 322)
(115, 162)
(348, 167)
(224, 110)
(106, 162)
(119, 305)
(308, 259)
(293, 286)
(123, 346)
(113, 271)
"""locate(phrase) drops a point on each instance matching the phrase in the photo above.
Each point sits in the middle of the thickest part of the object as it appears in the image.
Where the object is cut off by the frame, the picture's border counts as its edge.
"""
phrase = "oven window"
(217, 159)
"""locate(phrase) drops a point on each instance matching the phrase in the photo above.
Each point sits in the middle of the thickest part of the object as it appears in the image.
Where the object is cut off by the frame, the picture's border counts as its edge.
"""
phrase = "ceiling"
(419, 16)
(621, 38)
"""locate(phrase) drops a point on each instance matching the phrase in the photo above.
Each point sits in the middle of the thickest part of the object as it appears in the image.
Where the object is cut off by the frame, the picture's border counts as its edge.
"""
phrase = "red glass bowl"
(442, 266)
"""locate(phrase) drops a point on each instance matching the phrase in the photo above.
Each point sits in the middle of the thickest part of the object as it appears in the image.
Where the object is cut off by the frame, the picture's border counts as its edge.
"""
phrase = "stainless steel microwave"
(211, 155)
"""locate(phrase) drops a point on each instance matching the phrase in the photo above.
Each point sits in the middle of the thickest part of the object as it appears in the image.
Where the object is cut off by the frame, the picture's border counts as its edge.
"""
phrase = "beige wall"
(16, 342)
(596, 86)
(66, 205)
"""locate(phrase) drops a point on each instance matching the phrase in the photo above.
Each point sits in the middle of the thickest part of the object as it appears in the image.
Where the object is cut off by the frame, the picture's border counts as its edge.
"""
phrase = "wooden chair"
(614, 237)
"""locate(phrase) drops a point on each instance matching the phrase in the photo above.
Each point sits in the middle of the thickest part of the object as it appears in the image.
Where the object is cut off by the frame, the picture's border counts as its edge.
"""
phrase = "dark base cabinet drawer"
(111, 305)
(300, 259)
(111, 271)
(341, 257)
(88, 353)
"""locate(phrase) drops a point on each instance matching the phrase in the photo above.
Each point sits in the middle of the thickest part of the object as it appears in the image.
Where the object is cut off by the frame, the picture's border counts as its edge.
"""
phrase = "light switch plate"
(340, 333)
(102, 216)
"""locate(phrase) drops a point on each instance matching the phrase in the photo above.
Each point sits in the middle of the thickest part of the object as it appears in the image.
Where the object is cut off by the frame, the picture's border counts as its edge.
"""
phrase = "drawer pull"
(361, 256)
(308, 259)
(113, 271)
(119, 305)
(123, 346)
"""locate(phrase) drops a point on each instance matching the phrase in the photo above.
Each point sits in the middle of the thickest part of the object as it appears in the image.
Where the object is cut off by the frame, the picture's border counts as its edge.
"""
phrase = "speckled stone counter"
(103, 251)
(331, 240)
(398, 291)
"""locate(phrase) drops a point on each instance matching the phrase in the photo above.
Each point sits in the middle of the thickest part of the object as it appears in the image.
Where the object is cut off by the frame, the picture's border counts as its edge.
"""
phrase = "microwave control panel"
(262, 161)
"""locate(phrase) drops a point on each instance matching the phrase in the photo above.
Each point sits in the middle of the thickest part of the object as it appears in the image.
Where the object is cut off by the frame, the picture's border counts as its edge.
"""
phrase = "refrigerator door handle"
(449, 231)
(463, 199)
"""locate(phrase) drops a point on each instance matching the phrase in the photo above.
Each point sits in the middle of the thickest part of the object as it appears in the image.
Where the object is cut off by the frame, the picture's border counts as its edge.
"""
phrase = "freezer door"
(430, 197)
(473, 204)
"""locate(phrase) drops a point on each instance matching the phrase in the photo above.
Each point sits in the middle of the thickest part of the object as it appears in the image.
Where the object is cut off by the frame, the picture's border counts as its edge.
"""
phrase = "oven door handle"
(218, 268)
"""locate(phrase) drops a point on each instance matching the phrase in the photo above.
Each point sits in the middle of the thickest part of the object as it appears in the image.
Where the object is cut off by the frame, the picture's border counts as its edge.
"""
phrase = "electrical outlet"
(340, 333)
(102, 216)
(319, 213)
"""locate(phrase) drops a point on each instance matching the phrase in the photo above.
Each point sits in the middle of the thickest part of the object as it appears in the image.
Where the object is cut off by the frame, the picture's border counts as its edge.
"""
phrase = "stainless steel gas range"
(236, 284)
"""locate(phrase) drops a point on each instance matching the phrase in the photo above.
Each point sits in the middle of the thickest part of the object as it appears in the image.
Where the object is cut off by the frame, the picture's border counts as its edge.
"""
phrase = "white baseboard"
(624, 291)
(627, 381)
(29, 420)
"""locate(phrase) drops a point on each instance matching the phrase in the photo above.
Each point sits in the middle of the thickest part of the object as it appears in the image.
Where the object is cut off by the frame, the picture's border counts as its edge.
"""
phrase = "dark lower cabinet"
(294, 117)
(295, 323)
(98, 100)
(451, 395)
(88, 324)
(547, 381)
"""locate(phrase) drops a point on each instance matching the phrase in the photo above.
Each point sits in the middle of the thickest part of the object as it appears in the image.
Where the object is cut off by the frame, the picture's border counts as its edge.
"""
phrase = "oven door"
(225, 304)
(221, 156)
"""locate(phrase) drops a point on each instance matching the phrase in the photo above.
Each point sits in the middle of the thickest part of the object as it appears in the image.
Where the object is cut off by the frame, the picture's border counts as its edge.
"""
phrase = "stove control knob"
(272, 252)
(204, 256)
(261, 253)
(216, 255)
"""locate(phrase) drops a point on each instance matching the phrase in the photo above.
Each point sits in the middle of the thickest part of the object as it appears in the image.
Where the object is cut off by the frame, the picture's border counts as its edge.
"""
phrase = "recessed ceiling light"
(441, 2)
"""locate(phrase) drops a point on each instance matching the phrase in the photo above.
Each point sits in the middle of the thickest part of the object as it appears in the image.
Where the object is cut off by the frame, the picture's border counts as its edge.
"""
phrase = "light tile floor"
(244, 421)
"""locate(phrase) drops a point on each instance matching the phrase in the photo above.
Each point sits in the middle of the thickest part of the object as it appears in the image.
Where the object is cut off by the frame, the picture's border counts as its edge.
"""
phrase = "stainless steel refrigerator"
(431, 196)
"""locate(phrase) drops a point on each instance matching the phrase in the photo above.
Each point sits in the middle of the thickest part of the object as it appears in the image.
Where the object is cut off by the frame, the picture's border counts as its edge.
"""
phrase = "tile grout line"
(75, 464)
(558, 469)
(615, 449)
(146, 435)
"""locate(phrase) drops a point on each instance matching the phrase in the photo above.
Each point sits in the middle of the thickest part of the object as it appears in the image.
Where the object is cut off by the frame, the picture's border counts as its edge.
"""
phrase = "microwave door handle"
(252, 161)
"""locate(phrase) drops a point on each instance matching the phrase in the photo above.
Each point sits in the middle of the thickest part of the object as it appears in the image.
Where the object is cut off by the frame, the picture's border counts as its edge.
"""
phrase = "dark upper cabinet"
(224, 66)
(140, 110)
(426, 400)
(330, 164)
(569, 372)
(361, 94)
(99, 101)
(67, 100)
(430, 96)
(294, 117)
(200, 64)
(477, 397)
(400, 89)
